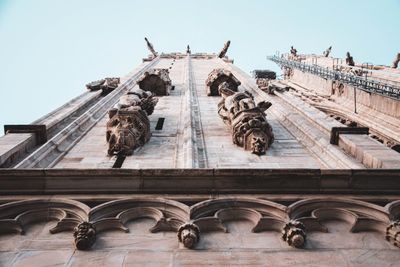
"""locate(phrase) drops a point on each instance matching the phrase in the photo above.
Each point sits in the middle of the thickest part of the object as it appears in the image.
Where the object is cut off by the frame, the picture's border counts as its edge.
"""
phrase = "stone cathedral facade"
(190, 161)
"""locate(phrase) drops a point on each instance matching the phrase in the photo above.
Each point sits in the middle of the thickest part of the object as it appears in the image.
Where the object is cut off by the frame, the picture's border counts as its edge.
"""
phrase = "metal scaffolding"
(361, 82)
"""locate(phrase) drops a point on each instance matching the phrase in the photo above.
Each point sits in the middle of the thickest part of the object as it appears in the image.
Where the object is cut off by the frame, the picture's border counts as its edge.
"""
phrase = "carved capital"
(393, 233)
(85, 235)
(189, 234)
(294, 233)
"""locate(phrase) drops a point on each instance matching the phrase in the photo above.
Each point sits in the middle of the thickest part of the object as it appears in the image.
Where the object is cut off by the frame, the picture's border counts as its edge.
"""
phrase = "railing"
(363, 83)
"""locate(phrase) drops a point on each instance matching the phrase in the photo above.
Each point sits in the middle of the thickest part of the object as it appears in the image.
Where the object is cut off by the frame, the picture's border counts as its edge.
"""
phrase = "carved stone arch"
(168, 214)
(362, 216)
(210, 215)
(304, 208)
(393, 209)
(264, 207)
(15, 216)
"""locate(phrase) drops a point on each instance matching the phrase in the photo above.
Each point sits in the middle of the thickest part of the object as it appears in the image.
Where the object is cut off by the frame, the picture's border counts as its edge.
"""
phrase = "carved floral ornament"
(293, 221)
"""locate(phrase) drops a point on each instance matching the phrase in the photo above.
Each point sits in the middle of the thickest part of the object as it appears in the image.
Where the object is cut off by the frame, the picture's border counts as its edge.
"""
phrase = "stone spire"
(224, 50)
(150, 47)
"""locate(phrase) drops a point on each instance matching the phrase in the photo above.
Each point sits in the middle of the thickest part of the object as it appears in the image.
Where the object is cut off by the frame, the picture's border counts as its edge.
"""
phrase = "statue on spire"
(327, 52)
(150, 47)
(396, 61)
(224, 50)
(188, 50)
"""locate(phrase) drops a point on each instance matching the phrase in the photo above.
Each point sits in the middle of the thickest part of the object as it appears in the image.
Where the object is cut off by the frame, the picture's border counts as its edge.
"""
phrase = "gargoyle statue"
(106, 85)
(246, 120)
(129, 127)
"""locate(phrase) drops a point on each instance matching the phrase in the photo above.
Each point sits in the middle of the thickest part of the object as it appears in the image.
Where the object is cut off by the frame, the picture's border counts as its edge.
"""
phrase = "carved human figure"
(349, 59)
(246, 120)
(396, 61)
(293, 51)
(189, 235)
(294, 233)
(85, 235)
(188, 50)
(327, 51)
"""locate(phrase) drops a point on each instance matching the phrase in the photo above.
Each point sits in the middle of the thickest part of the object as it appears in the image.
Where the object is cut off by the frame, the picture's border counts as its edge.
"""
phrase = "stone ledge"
(169, 181)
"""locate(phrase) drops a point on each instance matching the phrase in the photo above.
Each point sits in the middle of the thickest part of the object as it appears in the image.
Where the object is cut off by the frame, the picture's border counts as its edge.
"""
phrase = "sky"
(49, 49)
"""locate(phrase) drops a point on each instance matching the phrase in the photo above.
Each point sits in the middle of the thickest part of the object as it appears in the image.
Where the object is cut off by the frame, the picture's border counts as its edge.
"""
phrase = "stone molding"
(294, 221)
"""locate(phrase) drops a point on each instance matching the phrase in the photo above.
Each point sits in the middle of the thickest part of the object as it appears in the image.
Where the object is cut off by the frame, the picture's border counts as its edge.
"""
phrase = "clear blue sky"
(49, 49)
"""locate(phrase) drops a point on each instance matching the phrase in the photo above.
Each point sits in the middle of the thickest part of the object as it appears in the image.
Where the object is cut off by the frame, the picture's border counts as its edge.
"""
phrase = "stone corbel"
(294, 233)
(84, 235)
(189, 235)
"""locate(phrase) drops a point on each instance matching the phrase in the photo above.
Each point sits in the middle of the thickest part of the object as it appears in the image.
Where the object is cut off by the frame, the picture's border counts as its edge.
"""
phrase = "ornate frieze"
(292, 221)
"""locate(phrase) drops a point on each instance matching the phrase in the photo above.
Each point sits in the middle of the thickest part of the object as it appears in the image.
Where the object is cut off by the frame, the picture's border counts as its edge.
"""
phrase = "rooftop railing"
(362, 82)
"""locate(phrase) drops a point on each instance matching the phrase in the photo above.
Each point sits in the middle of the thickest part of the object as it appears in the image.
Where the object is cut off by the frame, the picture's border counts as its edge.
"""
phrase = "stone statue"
(349, 59)
(294, 233)
(188, 50)
(224, 50)
(150, 47)
(189, 234)
(218, 76)
(396, 61)
(327, 52)
(246, 120)
(85, 235)
(129, 125)
(156, 81)
(106, 85)
(293, 51)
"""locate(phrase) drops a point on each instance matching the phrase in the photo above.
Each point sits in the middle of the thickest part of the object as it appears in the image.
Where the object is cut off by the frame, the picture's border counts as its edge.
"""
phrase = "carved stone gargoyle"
(218, 76)
(106, 85)
(156, 81)
(246, 120)
(129, 127)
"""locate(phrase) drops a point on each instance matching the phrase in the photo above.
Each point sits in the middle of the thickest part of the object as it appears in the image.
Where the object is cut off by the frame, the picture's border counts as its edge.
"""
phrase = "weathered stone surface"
(129, 125)
(217, 77)
(156, 81)
(247, 120)
(106, 85)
